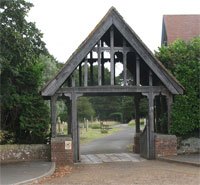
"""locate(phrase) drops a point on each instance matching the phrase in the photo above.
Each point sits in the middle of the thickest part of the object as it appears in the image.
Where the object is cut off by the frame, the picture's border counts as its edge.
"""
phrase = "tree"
(183, 60)
(23, 111)
(85, 109)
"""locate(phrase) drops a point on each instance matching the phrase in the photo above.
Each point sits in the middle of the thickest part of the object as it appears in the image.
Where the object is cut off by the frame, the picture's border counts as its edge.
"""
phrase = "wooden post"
(69, 112)
(75, 127)
(151, 154)
(124, 62)
(137, 71)
(137, 112)
(85, 74)
(112, 55)
(150, 125)
(53, 115)
(99, 65)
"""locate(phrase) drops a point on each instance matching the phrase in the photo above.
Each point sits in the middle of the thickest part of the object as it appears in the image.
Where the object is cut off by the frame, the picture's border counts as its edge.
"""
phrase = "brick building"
(184, 27)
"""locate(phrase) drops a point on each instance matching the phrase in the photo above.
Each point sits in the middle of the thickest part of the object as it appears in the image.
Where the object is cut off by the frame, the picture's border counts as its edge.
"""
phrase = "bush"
(104, 131)
(182, 59)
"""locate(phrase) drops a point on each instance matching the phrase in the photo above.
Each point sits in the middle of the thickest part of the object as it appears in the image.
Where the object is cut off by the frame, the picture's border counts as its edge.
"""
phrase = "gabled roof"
(112, 18)
(184, 27)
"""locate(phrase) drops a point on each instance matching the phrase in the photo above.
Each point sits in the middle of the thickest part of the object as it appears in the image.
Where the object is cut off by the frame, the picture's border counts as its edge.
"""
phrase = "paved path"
(192, 159)
(115, 157)
(149, 172)
(115, 143)
(18, 172)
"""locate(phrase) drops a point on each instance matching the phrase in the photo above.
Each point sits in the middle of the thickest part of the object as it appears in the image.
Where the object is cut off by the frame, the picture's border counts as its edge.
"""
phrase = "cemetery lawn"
(92, 134)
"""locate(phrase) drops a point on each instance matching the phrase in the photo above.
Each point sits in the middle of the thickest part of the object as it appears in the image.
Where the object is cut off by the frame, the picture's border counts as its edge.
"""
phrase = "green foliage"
(104, 131)
(183, 60)
(23, 111)
(117, 116)
(95, 126)
(50, 65)
(6, 137)
(85, 109)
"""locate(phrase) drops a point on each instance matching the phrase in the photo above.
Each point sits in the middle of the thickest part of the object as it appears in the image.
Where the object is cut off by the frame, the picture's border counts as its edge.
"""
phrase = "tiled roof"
(181, 26)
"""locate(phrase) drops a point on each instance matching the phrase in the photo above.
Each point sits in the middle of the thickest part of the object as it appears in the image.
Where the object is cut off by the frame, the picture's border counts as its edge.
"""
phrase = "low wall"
(16, 153)
(165, 145)
(188, 146)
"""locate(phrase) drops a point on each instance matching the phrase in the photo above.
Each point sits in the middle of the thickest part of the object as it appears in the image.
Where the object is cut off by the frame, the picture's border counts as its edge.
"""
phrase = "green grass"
(133, 124)
(92, 134)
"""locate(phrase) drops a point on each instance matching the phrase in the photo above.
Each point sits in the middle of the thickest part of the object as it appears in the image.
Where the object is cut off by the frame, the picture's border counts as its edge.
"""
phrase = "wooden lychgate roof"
(112, 18)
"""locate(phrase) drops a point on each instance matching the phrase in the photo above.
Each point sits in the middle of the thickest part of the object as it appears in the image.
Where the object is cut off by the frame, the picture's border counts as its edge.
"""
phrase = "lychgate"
(112, 41)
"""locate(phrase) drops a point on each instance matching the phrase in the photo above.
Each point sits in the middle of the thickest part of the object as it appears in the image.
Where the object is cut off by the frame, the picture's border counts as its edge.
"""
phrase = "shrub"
(183, 60)
(104, 131)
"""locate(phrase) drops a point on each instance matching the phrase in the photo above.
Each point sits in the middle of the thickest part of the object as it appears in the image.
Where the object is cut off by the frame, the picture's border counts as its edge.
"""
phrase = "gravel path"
(126, 173)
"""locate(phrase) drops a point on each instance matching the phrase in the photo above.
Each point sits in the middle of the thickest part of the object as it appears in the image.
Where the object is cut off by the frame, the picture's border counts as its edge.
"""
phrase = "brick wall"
(59, 152)
(16, 153)
(165, 145)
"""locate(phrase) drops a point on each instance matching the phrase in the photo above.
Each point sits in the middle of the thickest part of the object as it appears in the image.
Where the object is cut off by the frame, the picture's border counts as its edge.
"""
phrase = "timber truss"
(112, 42)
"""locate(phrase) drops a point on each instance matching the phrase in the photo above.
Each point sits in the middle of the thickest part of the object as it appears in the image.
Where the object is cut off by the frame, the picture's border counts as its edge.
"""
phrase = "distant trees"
(183, 60)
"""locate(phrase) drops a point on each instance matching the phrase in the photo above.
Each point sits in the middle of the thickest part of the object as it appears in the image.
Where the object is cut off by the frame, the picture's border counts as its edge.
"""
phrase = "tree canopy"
(23, 111)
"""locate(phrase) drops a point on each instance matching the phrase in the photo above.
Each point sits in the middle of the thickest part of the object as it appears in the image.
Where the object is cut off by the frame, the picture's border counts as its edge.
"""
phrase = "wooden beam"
(112, 56)
(115, 49)
(102, 60)
(99, 66)
(73, 79)
(113, 89)
(137, 70)
(85, 74)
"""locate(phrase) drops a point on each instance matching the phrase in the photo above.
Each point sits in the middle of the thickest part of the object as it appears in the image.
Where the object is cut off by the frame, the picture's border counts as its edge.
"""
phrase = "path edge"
(29, 181)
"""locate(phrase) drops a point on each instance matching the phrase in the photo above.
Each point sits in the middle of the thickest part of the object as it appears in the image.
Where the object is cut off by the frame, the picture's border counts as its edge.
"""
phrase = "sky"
(66, 23)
